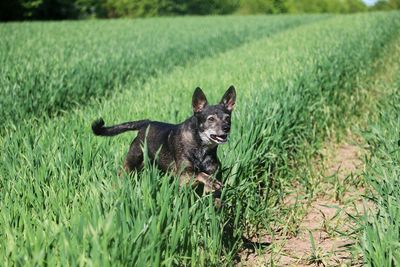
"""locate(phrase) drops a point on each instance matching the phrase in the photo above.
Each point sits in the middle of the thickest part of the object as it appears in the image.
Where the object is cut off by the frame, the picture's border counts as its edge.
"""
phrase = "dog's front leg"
(210, 184)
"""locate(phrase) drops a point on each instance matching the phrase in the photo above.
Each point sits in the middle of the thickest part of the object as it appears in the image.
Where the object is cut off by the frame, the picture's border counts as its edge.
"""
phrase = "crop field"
(61, 65)
(302, 81)
(380, 245)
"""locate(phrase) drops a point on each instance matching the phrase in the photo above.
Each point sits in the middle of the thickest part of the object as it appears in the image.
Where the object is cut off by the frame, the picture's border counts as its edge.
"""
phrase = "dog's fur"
(188, 148)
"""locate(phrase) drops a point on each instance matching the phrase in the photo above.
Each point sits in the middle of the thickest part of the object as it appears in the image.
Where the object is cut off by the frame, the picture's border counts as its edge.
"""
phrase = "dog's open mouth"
(219, 138)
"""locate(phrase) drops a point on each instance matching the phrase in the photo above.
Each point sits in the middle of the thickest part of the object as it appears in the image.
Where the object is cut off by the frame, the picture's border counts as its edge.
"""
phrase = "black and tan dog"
(189, 149)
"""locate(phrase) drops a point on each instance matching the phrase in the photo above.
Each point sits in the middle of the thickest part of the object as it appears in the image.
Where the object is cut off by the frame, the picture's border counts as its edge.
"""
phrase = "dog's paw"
(212, 186)
(217, 185)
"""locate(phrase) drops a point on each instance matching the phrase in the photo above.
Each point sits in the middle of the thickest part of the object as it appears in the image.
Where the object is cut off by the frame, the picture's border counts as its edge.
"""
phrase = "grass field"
(81, 61)
(61, 200)
(379, 242)
(380, 239)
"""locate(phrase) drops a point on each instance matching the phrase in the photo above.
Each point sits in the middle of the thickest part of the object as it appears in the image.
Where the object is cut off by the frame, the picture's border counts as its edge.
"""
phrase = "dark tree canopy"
(76, 9)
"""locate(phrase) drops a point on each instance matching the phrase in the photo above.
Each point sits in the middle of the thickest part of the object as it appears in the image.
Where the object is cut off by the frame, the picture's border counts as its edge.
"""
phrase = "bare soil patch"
(319, 239)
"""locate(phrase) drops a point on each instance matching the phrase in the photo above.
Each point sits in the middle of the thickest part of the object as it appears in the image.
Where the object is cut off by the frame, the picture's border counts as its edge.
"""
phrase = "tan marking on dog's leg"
(210, 184)
(186, 179)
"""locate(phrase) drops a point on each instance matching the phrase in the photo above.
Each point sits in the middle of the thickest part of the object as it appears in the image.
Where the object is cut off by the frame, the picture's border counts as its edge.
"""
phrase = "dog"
(189, 149)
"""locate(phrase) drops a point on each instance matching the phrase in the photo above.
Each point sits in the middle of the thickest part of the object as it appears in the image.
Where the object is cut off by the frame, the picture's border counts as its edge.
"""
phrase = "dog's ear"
(229, 98)
(199, 100)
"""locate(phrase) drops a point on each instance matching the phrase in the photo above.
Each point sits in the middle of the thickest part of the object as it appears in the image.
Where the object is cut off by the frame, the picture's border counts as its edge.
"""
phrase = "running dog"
(189, 149)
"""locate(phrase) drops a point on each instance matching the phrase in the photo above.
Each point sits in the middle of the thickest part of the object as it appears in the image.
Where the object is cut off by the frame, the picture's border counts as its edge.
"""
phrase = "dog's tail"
(99, 129)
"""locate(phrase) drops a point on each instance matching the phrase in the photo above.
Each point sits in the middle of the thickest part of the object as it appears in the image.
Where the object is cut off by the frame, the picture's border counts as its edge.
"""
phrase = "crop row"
(64, 203)
(48, 68)
(381, 224)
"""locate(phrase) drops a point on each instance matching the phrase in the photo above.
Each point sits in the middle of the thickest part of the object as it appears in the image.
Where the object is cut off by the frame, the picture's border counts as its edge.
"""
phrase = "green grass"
(63, 203)
(381, 225)
(48, 68)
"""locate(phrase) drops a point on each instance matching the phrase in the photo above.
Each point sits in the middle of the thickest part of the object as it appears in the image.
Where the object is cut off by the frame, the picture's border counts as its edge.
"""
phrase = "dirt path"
(318, 240)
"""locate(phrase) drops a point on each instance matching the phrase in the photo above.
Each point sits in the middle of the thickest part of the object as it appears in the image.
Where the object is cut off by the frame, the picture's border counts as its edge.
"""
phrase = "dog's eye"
(211, 119)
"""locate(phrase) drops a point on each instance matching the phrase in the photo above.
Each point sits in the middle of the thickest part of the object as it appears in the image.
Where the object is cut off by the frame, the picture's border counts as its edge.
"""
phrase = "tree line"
(80, 9)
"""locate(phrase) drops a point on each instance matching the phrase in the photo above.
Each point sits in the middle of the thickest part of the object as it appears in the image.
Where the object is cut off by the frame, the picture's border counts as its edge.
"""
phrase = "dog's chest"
(204, 160)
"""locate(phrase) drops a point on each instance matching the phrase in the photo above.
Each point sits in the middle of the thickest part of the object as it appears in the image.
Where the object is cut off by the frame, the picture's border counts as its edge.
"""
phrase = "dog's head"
(214, 121)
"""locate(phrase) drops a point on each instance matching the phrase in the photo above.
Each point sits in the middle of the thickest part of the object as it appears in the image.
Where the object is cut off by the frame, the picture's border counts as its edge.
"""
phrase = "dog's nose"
(226, 128)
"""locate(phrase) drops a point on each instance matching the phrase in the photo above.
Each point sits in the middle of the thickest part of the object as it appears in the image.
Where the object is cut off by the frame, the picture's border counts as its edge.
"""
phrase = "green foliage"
(49, 9)
(151, 8)
(257, 6)
(72, 9)
(133, 8)
(381, 234)
(325, 6)
(50, 69)
(62, 202)
(386, 5)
